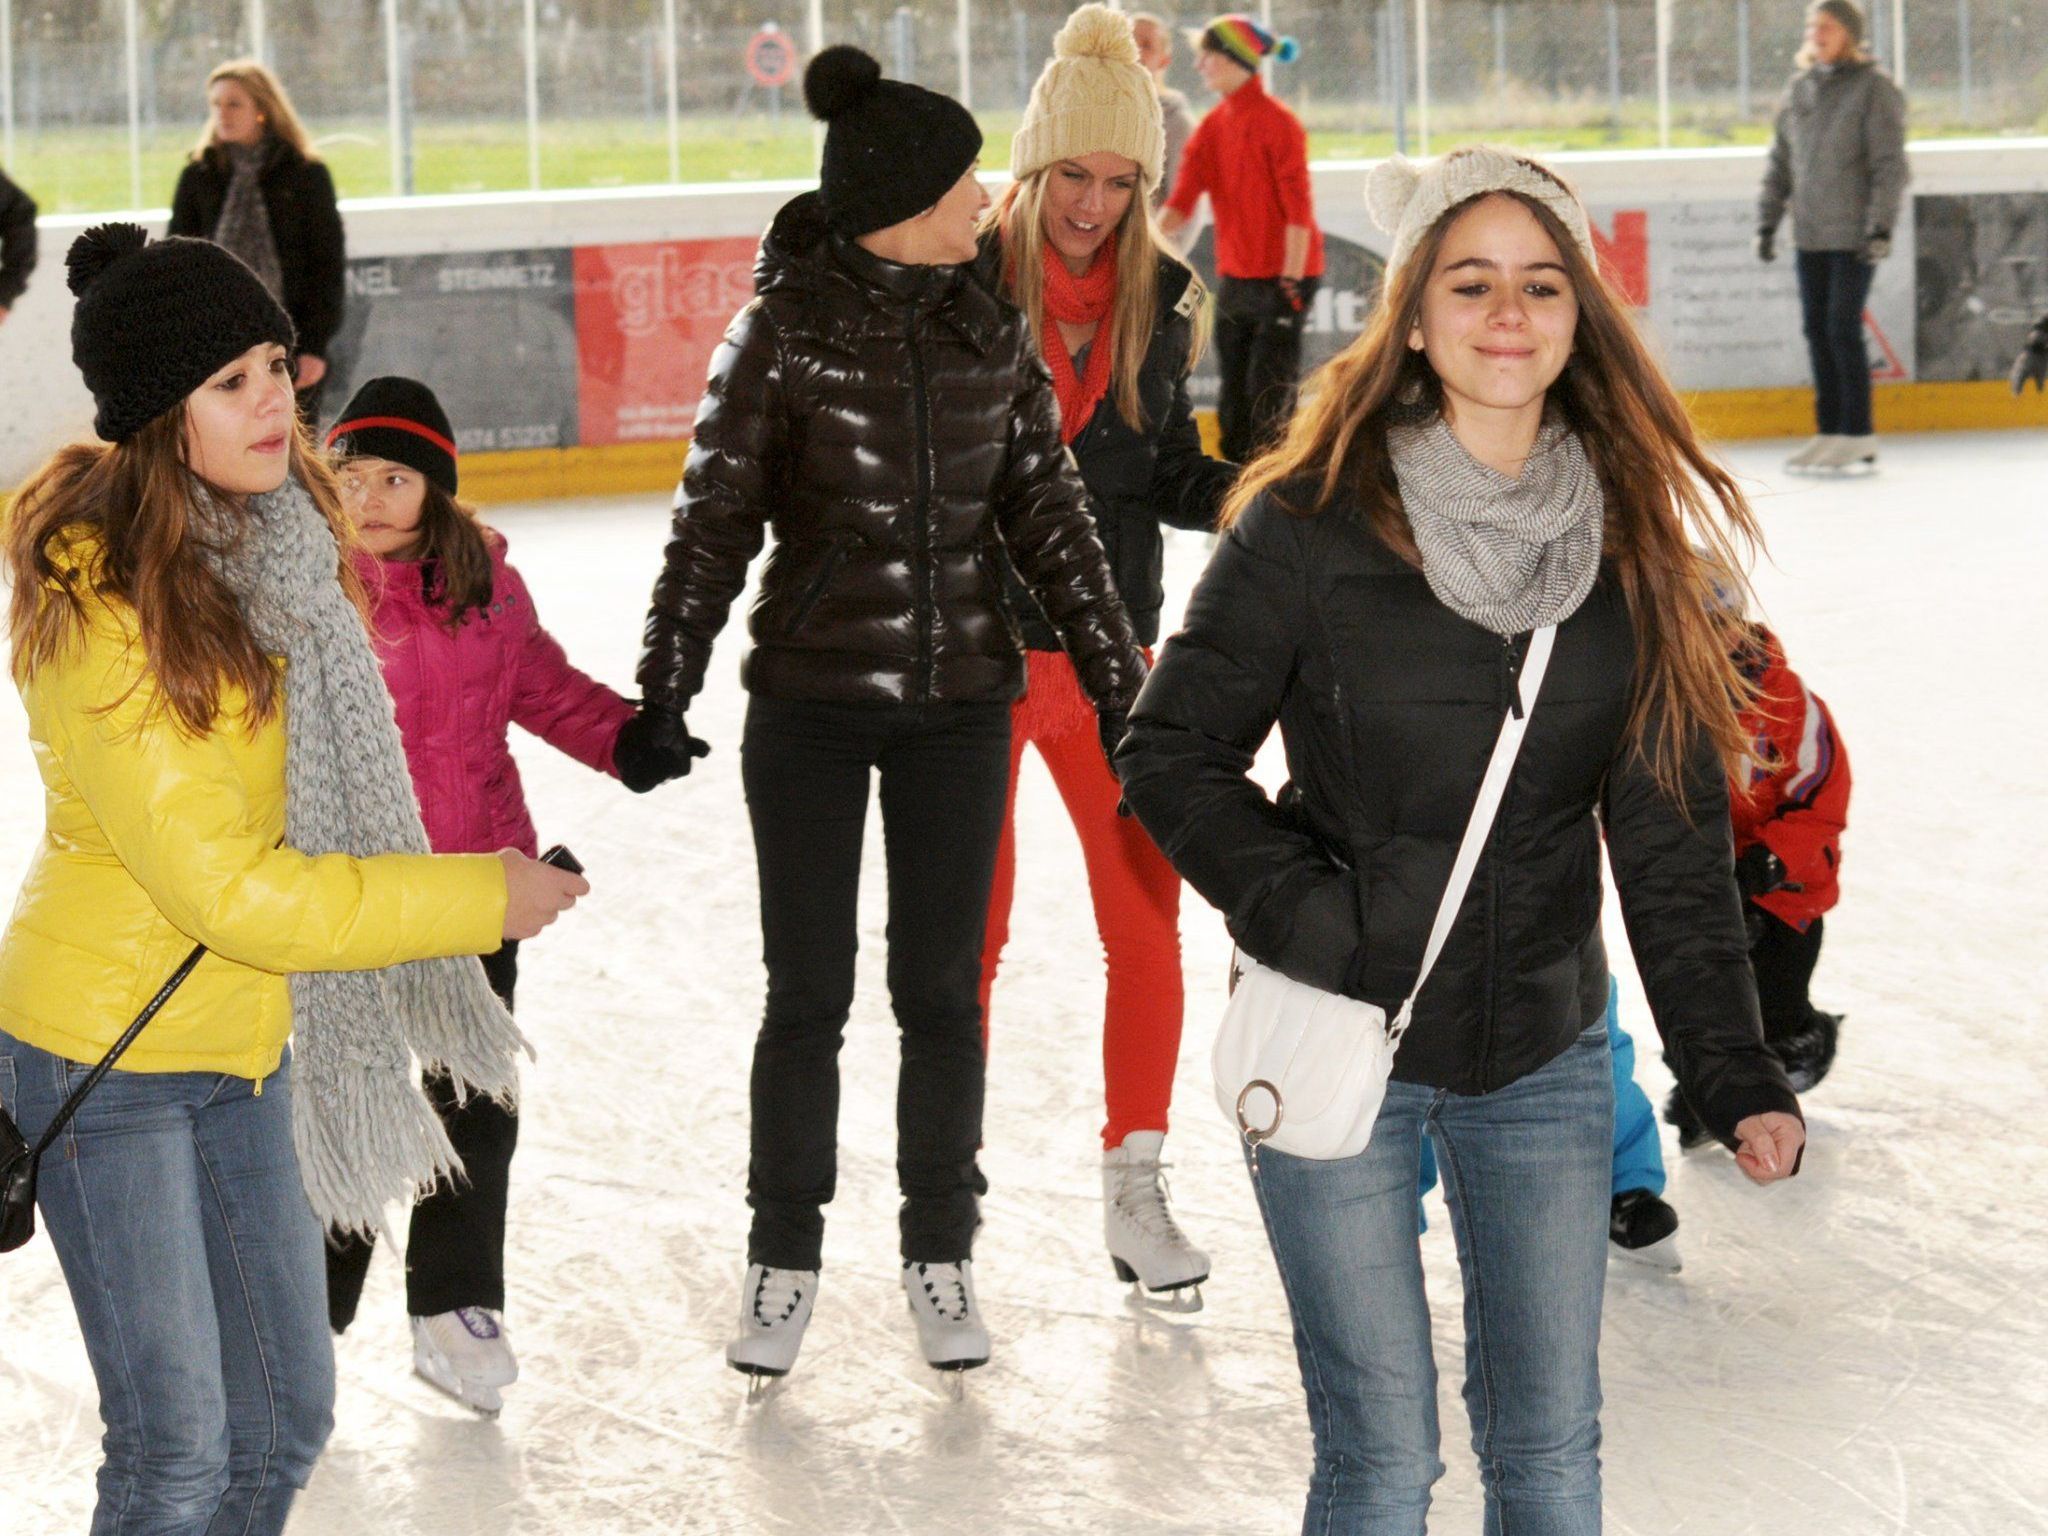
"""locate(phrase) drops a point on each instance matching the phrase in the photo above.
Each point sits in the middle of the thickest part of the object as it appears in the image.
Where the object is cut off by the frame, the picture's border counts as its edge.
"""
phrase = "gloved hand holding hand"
(1767, 245)
(1759, 871)
(1877, 247)
(654, 747)
(1113, 725)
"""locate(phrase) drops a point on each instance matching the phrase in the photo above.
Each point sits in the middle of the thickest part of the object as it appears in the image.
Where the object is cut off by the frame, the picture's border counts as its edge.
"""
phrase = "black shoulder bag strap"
(18, 1159)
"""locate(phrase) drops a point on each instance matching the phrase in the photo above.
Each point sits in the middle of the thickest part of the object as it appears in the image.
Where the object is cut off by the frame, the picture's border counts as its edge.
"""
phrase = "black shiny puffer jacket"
(897, 430)
(1139, 478)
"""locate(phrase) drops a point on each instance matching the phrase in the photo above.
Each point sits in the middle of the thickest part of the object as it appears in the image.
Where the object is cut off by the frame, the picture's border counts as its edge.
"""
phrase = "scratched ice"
(1861, 1351)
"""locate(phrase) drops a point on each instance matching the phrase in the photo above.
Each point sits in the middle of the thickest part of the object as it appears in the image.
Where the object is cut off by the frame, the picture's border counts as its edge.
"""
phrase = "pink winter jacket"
(457, 692)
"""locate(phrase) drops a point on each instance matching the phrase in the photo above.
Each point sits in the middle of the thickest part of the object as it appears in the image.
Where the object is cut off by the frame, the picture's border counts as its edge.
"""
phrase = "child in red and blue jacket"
(465, 657)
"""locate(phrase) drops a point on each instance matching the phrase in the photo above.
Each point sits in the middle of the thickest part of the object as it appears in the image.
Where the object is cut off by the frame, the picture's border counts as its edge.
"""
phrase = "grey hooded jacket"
(1838, 158)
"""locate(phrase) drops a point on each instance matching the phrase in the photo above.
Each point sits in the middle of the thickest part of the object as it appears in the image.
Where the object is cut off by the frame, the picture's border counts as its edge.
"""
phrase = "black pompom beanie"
(892, 149)
(157, 318)
(400, 420)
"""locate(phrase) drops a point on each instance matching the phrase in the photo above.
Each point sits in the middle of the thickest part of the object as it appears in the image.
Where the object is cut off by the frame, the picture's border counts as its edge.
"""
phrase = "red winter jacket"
(457, 692)
(1799, 808)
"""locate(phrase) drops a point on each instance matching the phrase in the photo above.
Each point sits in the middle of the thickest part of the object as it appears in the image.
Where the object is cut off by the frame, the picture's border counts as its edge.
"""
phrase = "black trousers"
(1833, 287)
(455, 1256)
(944, 771)
(1258, 356)
(1783, 959)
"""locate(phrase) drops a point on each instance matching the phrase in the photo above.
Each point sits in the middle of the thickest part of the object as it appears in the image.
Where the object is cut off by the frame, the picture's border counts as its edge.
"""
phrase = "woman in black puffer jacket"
(254, 186)
(1497, 453)
(889, 419)
(1074, 244)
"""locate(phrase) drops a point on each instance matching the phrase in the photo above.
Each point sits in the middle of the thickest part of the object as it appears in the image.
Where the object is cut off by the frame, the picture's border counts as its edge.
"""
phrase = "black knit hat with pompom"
(892, 149)
(157, 318)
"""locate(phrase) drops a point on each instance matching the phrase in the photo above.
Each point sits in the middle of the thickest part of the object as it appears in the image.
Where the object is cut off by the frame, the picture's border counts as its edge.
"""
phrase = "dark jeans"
(174, 1204)
(944, 772)
(1258, 355)
(1832, 288)
(455, 1255)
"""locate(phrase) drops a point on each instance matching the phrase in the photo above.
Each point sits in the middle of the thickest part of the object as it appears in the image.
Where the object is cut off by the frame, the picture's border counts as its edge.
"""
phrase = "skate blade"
(1661, 1256)
(1180, 1299)
(759, 1379)
(485, 1402)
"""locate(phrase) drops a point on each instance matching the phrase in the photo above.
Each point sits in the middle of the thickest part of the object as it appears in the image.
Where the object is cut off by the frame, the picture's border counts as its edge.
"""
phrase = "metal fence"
(101, 99)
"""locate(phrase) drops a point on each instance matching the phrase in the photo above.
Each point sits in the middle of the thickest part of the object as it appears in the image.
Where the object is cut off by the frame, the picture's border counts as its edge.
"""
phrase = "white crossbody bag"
(1304, 1071)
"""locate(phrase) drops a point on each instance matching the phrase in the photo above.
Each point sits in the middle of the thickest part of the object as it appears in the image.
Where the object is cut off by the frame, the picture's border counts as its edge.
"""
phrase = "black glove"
(1767, 245)
(654, 747)
(2031, 366)
(1113, 725)
(1759, 871)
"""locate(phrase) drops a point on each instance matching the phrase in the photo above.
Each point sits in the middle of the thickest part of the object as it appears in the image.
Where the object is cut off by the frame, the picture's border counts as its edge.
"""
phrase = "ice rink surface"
(1862, 1351)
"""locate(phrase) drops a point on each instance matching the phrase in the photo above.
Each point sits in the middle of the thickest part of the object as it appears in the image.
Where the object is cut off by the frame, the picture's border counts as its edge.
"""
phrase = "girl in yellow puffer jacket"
(219, 772)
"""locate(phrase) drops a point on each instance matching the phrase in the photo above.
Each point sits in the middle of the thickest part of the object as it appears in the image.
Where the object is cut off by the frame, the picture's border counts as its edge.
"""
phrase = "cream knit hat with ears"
(1406, 199)
(1094, 96)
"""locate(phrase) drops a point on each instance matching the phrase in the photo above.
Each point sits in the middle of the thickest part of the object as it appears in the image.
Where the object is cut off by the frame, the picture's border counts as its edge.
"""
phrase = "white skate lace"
(777, 1295)
(951, 1307)
(1142, 1194)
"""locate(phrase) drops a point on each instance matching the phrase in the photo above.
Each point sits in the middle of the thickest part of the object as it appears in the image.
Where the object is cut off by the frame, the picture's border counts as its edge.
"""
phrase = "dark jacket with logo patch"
(1389, 704)
(896, 429)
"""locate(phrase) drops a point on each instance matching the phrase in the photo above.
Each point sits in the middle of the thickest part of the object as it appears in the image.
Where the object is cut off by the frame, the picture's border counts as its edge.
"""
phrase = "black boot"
(1807, 1053)
(1691, 1133)
(1641, 1227)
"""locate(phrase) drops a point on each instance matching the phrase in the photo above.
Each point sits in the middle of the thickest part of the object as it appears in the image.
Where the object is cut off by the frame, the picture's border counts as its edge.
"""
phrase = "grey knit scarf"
(365, 1133)
(1509, 554)
(244, 226)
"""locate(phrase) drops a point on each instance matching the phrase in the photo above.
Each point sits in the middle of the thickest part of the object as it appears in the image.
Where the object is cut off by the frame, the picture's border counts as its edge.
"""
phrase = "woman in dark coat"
(1496, 454)
(254, 186)
(17, 242)
(889, 420)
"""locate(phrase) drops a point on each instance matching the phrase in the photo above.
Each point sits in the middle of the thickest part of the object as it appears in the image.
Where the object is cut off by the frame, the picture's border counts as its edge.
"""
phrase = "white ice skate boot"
(1846, 455)
(775, 1308)
(466, 1354)
(949, 1326)
(1815, 446)
(1145, 1244)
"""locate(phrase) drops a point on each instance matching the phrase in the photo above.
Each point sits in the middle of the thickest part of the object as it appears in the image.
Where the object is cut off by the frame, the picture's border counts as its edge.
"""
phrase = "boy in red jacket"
(1250, 156)
(1789, 811)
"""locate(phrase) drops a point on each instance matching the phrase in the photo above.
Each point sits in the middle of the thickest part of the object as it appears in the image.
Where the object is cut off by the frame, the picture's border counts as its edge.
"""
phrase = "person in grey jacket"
(17, 242)
(1155, 52)
(1838, 161)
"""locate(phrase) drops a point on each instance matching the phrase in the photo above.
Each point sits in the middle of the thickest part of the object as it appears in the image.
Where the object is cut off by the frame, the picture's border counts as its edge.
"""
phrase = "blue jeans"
(1638, 1155)
(174, 1203)
(1527, 1186)
(1833, 286)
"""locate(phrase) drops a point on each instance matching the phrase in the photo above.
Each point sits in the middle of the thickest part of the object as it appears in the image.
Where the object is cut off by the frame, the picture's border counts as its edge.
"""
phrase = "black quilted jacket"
(896, 429)
(1389, 705)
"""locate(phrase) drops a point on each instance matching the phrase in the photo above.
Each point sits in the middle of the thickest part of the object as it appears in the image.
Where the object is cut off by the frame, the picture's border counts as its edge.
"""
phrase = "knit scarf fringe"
(364, 1132)
(1084, 300)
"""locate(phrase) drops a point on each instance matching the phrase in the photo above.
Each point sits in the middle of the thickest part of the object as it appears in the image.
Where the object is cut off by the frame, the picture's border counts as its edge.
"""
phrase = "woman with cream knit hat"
(1073, 244)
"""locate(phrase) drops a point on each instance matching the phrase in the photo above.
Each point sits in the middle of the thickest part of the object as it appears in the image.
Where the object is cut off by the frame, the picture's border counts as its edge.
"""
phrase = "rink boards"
(569, 332)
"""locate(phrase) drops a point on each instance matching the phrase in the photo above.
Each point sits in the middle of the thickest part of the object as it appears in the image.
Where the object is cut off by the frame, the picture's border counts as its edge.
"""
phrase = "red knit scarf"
(1079, 301)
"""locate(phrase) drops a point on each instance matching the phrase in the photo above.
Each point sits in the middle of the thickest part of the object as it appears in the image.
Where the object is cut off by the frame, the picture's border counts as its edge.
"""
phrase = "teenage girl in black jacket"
(1496, 453)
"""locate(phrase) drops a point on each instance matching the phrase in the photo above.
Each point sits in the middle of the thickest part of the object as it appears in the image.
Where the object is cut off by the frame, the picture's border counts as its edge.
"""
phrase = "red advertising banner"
(647, 319)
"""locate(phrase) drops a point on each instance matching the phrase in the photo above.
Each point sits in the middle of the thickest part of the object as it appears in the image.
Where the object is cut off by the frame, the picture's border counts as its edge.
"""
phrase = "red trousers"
(1135, 892)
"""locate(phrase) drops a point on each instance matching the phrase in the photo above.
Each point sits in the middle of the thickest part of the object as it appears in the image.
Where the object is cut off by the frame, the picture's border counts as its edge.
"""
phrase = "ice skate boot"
(1847, 456)
(1644, 1229)
(1146, 1245)
(949, 1326)
(1691, 1134)
(1808, 1054)
(1804, 457)
(466, 1354)
(775, 1308)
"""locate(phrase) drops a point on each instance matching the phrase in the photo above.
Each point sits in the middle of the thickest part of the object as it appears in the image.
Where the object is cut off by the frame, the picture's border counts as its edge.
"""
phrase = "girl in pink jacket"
(464, 656)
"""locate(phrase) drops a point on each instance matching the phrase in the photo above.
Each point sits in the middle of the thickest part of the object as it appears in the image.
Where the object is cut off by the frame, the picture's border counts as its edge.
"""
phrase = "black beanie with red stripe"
(400, 420)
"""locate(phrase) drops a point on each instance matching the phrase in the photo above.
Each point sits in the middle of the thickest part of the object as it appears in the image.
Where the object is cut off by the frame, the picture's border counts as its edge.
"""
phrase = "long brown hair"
(273, 105)
(1018, 217)
(1663, 491)
(141, 506)
(454, 552)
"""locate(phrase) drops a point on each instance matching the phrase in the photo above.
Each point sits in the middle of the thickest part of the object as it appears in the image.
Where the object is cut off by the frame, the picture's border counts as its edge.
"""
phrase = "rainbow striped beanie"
(1241, 38)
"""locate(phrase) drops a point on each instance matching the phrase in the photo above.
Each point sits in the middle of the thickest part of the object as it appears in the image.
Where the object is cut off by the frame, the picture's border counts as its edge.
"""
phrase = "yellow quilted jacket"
(154, 839)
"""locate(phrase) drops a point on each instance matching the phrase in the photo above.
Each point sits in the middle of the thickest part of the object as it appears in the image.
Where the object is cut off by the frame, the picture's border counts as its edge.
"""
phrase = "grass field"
(86, 170)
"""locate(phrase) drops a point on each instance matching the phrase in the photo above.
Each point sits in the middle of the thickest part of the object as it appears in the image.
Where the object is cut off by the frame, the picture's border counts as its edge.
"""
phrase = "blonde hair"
(273, 106)
(1019, 219)
(1656, 476)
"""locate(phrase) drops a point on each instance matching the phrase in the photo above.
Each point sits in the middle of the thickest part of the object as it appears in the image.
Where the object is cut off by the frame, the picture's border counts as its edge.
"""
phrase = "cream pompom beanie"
(1406, 198)
(1094, 96)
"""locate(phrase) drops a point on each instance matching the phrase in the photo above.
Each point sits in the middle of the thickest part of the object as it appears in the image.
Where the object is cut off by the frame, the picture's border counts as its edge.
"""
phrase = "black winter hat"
(892, 149)
(157, 318)
(400, 420)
